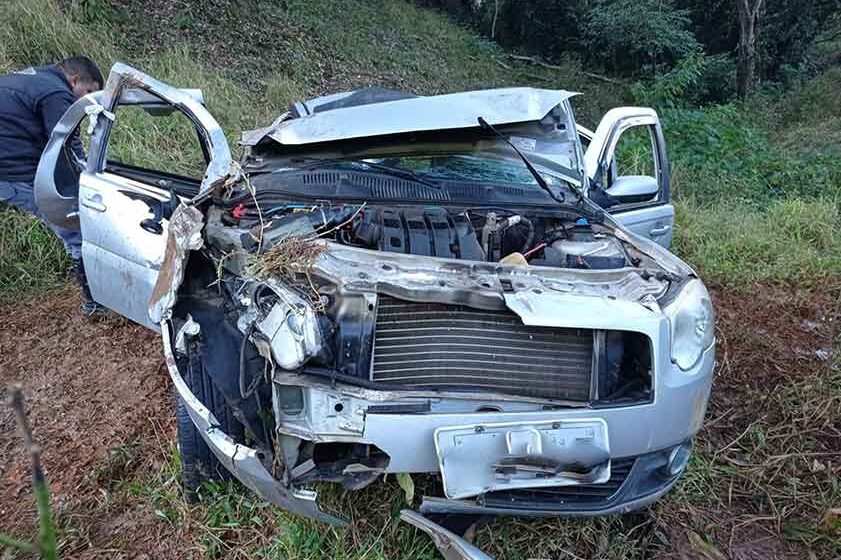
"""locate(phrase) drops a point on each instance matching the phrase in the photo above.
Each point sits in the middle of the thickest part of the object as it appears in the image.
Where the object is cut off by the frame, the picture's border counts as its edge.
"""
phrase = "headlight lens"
(692, 322)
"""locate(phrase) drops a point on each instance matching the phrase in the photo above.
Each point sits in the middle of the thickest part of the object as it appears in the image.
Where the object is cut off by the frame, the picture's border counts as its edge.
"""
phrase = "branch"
(542, 64)
(756, 8)
(46, 529)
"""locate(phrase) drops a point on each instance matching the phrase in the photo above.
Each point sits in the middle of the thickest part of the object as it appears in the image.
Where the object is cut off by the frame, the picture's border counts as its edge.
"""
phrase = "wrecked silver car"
(388, 283)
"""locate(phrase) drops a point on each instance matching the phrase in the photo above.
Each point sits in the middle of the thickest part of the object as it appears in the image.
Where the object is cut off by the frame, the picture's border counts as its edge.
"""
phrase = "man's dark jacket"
(31, 103)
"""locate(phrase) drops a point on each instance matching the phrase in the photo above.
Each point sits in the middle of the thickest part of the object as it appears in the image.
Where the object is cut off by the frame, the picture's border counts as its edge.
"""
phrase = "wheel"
(198, 463)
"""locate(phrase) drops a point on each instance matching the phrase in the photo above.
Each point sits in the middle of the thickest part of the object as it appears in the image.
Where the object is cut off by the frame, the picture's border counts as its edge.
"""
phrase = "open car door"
(626, 157)
(123, 210)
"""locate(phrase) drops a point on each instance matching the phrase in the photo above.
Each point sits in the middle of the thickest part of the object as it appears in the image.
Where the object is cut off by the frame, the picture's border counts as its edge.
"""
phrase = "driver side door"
(123, 209)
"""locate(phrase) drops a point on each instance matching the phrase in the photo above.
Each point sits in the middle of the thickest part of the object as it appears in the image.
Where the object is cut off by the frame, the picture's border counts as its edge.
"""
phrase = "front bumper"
(644, 433)
(636, 482)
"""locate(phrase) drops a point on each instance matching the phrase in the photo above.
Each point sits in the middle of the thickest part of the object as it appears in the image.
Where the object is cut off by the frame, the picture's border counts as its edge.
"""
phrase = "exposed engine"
(494, 235)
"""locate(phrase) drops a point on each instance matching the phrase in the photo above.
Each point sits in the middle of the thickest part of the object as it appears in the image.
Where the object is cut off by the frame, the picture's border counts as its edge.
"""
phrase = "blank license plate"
(486, 457)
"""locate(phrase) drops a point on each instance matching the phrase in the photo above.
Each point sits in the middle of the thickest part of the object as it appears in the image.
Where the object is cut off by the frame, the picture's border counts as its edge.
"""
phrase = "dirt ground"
(96, 394)
(100, 405)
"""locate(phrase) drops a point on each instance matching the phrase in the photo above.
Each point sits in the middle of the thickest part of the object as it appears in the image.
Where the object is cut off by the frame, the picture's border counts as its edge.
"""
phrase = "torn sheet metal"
(243, 461)
(546, 308)
(484, 285)
(415, 114)
(221, 167)
(183, 236)
(450, 545)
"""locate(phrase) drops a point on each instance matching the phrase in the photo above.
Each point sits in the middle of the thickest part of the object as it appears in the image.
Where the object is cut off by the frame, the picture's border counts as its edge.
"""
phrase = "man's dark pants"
(22, 196)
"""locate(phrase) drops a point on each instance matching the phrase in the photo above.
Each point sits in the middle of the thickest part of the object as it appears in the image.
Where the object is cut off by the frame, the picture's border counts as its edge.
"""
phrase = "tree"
(627, 36)
(748, 15)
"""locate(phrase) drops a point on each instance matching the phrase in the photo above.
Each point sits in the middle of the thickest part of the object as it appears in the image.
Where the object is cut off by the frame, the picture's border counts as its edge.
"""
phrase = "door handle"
(94, 202)
(659, 230)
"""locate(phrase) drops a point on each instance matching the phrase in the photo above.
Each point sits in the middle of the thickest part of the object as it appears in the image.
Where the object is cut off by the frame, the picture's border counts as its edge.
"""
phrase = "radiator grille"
(431, 345)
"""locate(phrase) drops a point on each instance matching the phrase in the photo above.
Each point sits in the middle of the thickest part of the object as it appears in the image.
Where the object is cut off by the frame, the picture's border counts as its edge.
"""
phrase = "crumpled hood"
(415, 114)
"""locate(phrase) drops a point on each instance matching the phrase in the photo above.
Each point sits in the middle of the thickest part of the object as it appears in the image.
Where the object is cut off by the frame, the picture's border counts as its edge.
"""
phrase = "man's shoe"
(89, 306)
(91, 309)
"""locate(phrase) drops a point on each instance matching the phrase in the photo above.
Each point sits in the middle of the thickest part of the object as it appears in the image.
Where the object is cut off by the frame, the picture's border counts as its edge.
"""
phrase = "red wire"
(534, 249)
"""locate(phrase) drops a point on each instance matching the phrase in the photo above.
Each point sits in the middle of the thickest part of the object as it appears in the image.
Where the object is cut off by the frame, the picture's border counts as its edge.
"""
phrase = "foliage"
(674, 87)
(628, 35)
(789, 30)
(696, 80)
(649, 37)
(758, 188)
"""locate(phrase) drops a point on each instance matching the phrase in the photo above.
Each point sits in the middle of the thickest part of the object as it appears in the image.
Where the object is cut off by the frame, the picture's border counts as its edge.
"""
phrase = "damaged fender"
(243, 461)
(184, 235)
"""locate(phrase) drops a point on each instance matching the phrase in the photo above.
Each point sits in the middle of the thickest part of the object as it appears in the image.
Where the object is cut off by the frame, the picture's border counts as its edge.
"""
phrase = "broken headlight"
(692, 326)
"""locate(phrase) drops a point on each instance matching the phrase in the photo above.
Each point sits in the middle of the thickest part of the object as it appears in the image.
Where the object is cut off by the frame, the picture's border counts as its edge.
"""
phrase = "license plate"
(486, 457)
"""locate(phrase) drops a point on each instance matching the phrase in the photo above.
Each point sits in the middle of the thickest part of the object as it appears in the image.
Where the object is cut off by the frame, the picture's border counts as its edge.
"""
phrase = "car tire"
(198, 463)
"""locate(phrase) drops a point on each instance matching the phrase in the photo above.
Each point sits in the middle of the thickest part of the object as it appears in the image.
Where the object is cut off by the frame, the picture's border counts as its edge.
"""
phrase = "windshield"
(441, 166)
(461, 167)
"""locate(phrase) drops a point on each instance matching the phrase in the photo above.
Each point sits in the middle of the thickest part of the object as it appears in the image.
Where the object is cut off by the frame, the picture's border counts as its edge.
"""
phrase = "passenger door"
(626, 157)
(131, 182)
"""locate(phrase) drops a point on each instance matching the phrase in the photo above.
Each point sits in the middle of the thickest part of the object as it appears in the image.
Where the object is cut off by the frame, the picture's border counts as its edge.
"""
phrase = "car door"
(626, 157)
(123, 209)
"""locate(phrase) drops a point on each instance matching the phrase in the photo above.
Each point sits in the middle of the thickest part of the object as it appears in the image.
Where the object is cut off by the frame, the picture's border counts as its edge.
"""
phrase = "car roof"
(381, 112)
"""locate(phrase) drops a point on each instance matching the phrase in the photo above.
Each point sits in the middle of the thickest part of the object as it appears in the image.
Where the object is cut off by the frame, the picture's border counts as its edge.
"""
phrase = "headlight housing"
(692, 324)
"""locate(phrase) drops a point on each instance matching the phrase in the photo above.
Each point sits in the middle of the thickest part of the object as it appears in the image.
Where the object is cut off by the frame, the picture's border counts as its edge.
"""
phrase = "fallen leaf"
(707, 549)
(832, 520)
(408, 485)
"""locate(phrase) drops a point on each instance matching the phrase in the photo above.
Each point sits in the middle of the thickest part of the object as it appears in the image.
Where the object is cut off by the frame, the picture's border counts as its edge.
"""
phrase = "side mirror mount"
(628, 189)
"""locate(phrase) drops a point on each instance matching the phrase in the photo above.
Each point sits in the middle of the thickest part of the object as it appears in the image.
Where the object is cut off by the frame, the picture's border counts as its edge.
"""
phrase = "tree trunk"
(748, 13)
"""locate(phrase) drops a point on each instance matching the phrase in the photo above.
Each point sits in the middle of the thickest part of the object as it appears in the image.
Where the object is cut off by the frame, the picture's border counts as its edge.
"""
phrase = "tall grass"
(36, 32)
(758, 189)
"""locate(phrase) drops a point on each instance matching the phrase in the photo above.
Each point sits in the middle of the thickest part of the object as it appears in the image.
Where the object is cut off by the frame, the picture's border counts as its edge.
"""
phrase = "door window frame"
(600, 153)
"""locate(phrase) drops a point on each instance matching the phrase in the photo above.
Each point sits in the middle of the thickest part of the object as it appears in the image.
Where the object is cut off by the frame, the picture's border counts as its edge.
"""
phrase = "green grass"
(31, 257)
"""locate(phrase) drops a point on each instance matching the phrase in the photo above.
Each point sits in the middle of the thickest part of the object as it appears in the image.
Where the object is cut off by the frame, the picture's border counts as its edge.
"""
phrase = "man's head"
(83, 75)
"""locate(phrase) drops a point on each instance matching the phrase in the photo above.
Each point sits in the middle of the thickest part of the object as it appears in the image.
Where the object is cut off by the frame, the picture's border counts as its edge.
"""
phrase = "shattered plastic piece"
(190, 328)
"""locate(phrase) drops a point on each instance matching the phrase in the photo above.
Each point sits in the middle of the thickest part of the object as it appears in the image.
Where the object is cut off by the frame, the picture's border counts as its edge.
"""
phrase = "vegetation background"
(757, 185)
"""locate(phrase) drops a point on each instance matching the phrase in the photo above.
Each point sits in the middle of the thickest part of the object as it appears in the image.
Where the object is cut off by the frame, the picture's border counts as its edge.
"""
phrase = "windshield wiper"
(485, 125)
(407, 174)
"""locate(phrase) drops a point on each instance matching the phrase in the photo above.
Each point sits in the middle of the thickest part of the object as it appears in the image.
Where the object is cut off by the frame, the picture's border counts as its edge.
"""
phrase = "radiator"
(441, 346)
